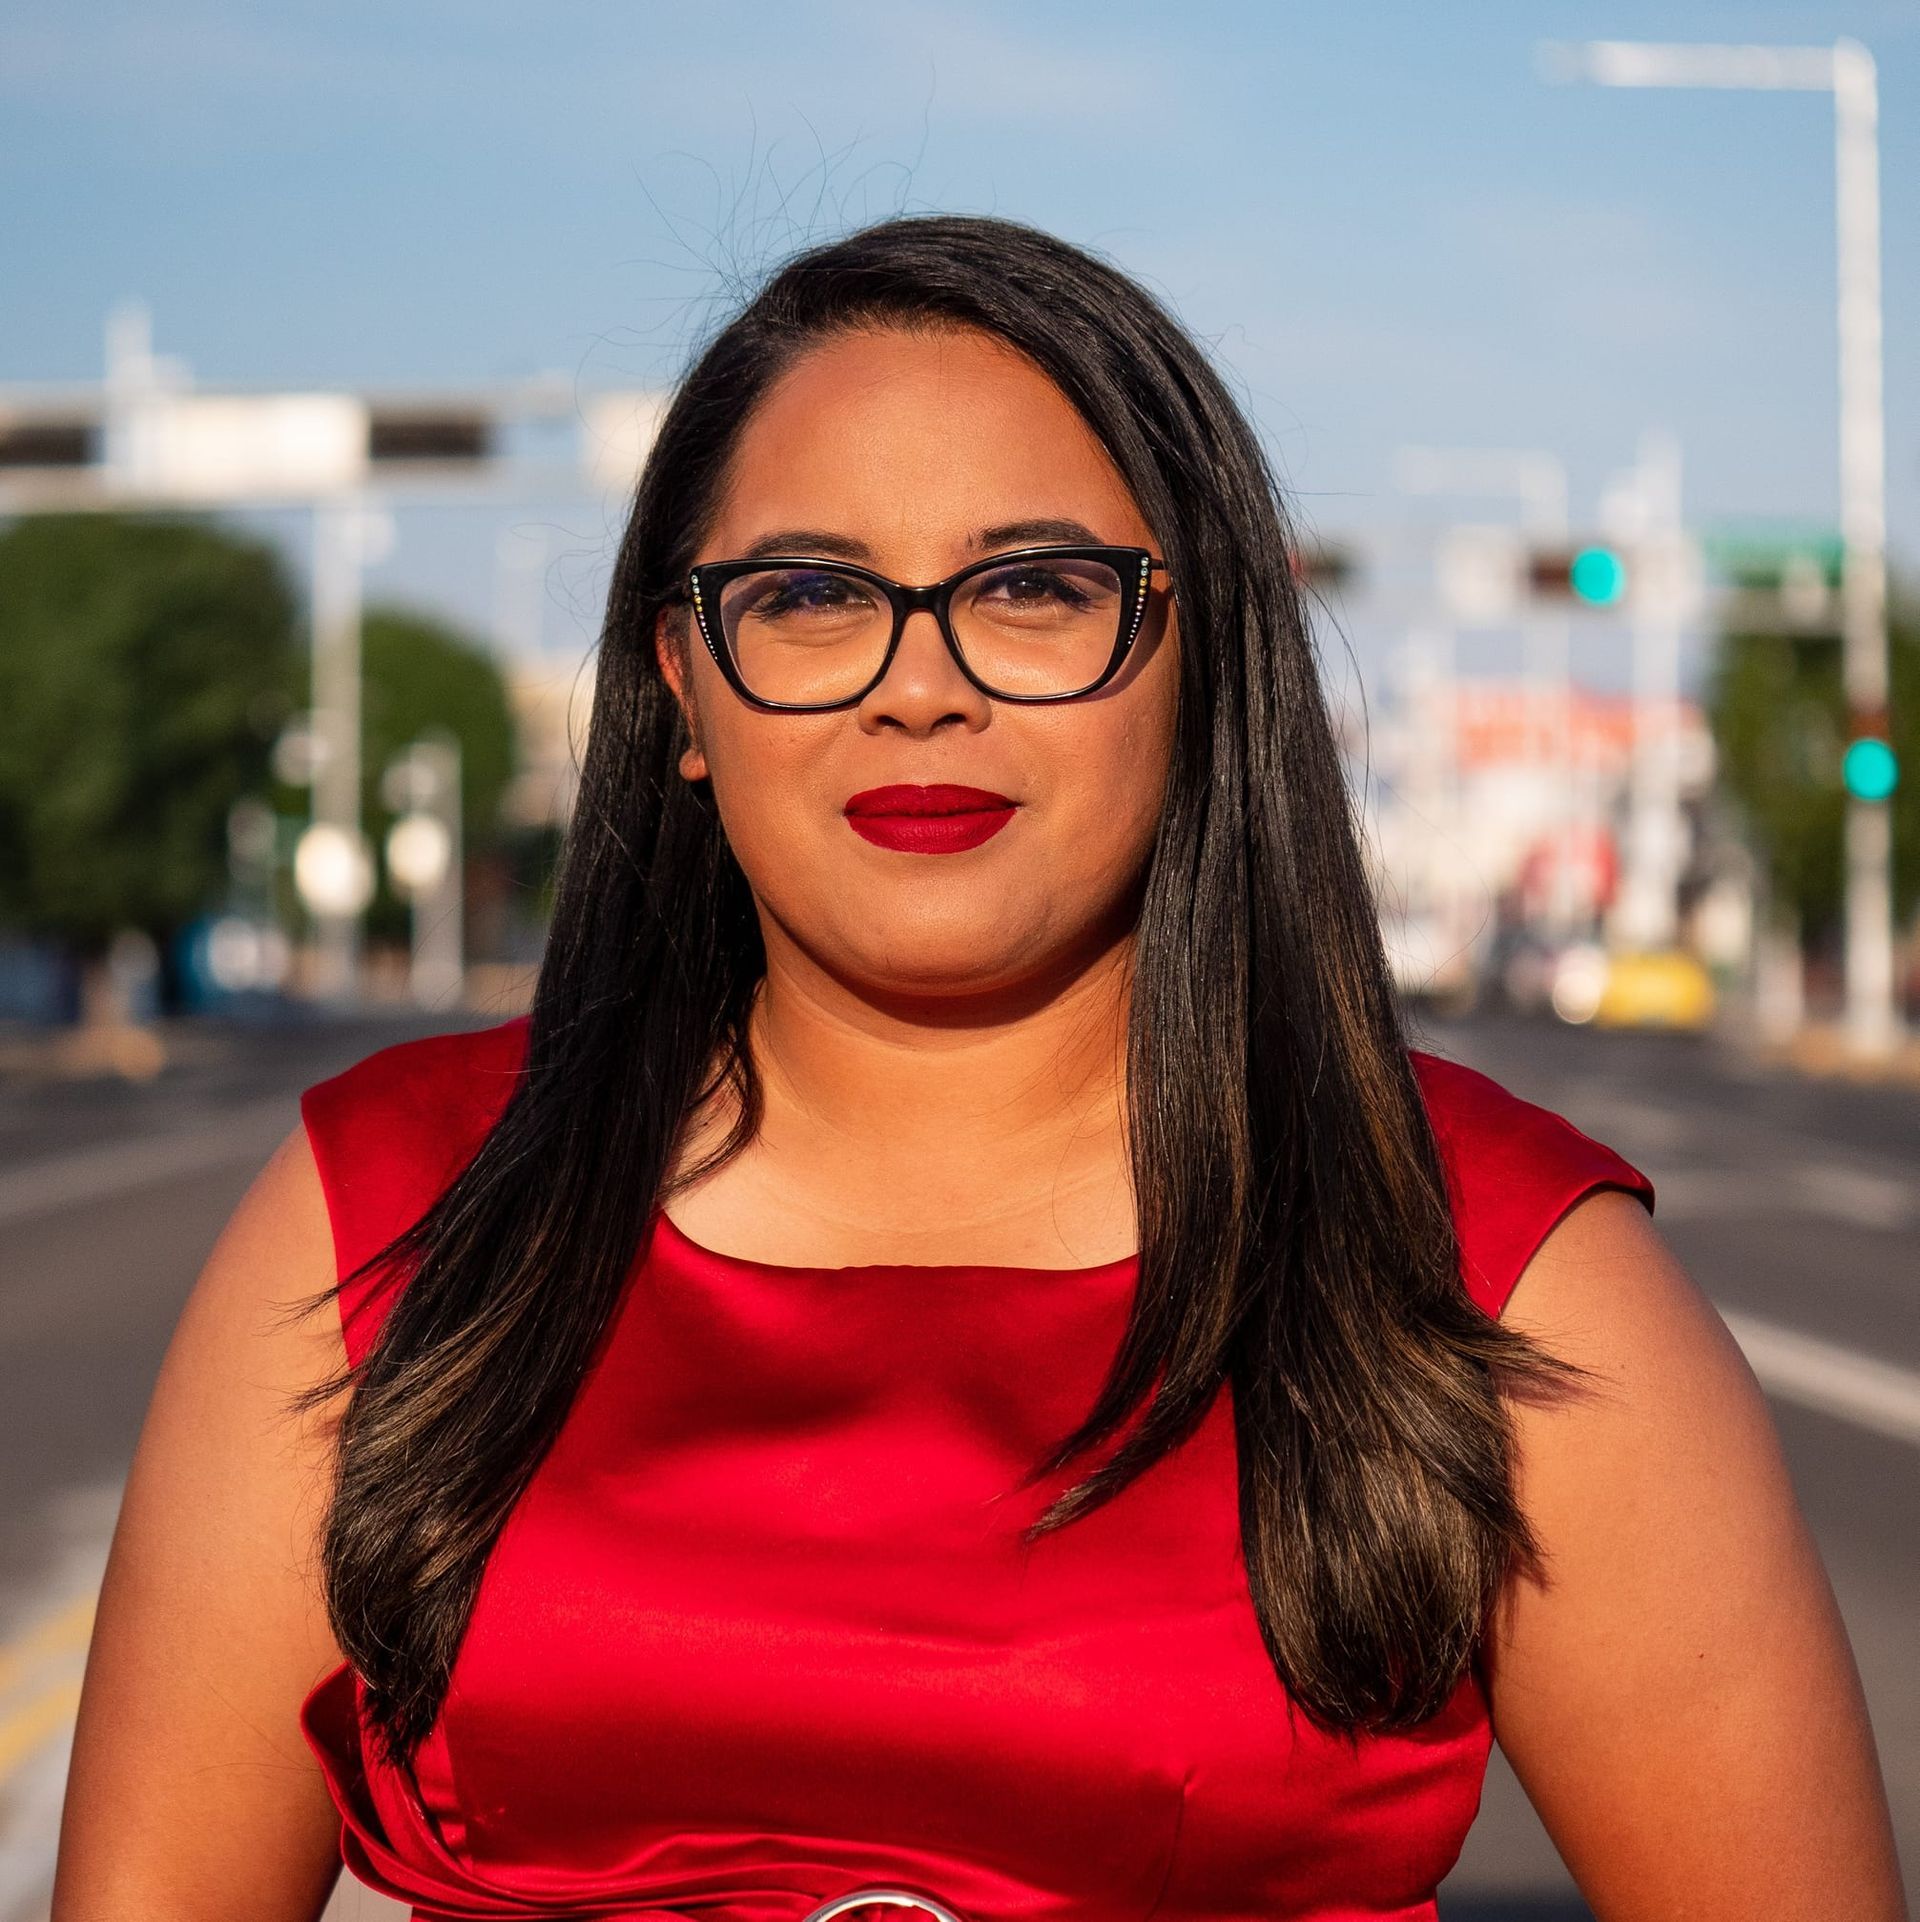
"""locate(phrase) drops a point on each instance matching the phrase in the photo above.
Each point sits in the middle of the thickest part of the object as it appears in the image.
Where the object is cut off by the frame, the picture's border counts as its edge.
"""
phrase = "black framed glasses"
(799, 635)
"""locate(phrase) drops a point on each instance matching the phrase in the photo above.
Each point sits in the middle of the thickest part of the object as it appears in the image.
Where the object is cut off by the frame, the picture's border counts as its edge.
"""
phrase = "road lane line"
(1830, 1379)
(60, 1182)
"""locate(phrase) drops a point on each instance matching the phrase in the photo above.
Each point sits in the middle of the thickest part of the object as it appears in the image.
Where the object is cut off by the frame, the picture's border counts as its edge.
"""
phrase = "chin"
(948, 963)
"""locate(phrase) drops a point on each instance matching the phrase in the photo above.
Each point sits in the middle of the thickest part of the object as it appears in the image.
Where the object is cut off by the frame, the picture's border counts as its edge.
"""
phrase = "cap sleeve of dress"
(1513, 1169)
(388, 1135)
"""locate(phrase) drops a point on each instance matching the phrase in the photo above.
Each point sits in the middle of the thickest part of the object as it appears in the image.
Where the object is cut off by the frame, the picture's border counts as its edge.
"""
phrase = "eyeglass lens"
(1035, 627)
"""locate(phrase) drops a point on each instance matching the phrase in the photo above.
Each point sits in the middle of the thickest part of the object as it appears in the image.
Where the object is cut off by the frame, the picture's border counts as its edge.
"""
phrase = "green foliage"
(1778, 711)
(146, 665)
(420, 673)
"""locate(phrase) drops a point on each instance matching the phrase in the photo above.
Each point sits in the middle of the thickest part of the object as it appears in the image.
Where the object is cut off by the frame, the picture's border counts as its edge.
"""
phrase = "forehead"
(898, 434)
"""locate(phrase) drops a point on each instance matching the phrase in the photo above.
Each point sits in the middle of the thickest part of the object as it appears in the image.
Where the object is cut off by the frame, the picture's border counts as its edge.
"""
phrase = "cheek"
(1109, 790)
(779, 785)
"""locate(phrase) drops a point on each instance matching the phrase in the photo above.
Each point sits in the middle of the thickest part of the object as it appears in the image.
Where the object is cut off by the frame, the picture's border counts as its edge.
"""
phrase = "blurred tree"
(146, 666)
(419, 672)
(1779, 721)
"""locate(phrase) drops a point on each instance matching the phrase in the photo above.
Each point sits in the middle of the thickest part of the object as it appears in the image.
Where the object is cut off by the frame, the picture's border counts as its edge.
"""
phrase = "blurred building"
(1501, 807)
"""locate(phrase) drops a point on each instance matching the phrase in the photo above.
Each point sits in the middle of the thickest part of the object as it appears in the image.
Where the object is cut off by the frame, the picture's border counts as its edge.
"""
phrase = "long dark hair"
(1295, 1236)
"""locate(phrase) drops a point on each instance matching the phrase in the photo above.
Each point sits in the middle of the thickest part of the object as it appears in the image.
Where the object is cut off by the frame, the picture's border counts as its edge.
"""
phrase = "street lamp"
(1845, 70)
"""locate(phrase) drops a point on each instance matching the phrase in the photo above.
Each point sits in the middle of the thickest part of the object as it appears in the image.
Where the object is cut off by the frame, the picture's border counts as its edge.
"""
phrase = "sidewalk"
(1821, 1049)
(138, 1052)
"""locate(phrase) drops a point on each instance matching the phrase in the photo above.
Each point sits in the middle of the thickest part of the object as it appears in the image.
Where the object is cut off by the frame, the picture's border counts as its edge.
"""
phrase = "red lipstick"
(941, 819)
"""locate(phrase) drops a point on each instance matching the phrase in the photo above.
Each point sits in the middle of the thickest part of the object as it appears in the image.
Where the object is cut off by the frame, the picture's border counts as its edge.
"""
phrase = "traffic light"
(1596, 576)
(1870, 768)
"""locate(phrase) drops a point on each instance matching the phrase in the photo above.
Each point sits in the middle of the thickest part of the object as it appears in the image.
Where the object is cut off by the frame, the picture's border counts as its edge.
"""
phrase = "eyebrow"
(1026, 533)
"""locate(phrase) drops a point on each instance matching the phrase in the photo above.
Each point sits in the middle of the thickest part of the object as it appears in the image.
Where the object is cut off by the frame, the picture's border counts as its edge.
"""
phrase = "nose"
(924, 682)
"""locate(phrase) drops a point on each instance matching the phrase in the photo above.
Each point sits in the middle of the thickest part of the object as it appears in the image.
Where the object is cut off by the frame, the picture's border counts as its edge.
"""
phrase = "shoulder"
(1671, 1678)
(271, 1251)
(1514, 1169)
(388, 1134)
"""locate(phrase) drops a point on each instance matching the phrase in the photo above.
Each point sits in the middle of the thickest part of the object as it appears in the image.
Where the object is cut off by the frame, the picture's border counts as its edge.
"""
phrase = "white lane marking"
(1833, 1380)
(60, 1182)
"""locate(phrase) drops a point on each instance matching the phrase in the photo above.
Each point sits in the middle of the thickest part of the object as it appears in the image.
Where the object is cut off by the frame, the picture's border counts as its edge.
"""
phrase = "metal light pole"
(1845, 70)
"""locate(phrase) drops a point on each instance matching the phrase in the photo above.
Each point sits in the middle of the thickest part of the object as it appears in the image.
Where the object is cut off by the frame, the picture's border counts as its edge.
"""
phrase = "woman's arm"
(192, 1796)
(1679, 1698)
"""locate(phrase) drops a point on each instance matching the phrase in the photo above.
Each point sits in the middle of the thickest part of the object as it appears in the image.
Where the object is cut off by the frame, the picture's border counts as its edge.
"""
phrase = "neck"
(920, 1085)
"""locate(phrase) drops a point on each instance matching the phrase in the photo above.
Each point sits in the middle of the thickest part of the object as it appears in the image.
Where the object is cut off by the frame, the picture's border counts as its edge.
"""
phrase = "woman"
(1106, 1429)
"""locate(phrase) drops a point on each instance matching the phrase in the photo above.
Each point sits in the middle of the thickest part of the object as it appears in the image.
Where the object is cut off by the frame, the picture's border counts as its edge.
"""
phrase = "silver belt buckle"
(882, 1898)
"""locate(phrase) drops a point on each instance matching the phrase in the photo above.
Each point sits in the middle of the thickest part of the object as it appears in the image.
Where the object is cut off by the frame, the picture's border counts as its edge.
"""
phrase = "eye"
(792, 590)
(1036, 584)
(1046, 596)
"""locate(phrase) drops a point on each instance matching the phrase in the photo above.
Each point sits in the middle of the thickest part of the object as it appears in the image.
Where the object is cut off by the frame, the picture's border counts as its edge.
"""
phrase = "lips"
(939, 799)
(941, 819)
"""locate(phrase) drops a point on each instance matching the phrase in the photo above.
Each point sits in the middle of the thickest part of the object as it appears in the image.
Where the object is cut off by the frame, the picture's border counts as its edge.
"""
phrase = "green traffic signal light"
(1870, 769)
(1598, 575)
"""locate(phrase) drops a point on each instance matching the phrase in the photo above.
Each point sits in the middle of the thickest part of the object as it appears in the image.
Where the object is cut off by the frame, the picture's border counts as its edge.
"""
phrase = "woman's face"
(921, 453)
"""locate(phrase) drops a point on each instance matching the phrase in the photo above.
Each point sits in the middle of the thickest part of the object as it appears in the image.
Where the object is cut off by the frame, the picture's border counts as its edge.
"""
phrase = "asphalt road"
(1796, 1204)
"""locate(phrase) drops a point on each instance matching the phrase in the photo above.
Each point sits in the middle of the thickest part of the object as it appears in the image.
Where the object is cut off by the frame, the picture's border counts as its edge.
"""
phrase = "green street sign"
(1759, 556)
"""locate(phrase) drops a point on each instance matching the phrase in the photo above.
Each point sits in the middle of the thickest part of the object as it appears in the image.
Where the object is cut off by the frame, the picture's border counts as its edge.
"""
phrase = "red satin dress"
(761, 1632)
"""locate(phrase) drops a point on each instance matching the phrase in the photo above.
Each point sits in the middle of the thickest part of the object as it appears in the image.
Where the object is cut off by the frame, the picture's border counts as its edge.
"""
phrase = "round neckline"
(678, 1237)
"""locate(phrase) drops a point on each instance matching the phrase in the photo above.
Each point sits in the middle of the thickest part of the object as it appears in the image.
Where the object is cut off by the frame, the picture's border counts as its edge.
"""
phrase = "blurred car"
(1659, 988)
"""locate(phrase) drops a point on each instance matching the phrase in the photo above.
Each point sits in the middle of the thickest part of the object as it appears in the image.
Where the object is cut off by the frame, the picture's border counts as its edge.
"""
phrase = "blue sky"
(1386, 225)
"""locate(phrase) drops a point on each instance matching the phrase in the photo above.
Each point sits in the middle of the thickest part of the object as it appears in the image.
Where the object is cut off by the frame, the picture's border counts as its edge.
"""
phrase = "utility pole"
(1845, 70)
(1873, 1020)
